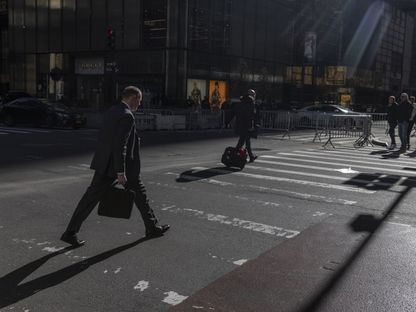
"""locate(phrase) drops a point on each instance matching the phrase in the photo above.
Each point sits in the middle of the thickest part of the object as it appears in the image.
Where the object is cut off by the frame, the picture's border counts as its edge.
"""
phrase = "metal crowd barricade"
(380, 121)
(179, 119)
(341, 126)
(276, 120)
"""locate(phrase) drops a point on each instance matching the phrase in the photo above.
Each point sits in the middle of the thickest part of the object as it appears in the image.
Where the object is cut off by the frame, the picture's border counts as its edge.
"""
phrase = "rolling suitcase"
(234, 157)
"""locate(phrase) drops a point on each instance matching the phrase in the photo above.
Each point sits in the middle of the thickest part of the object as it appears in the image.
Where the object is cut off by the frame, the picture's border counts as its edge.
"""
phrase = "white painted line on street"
(281, 163)
(240, 262)
(289, 180)
(236, 222)
(332, 163)
(401, 224)
(52, 249)
(173, 298)
(142, 286)
(360, 159)
(255, 187)
(354, 180)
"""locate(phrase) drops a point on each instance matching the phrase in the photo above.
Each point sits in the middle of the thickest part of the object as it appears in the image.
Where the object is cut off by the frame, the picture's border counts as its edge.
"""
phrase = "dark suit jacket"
(245, 113)
(118, 144)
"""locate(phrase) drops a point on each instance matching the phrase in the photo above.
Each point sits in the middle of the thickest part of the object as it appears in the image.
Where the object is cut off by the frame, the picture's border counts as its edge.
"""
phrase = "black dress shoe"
(253, 158)
(72, 239)
(157, 231)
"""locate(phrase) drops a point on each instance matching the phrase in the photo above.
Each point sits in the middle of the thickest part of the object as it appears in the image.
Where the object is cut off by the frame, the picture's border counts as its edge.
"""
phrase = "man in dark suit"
(245, 113)
(116, 158)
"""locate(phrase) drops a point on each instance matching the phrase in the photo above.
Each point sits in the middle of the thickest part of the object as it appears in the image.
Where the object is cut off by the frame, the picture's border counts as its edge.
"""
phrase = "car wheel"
(9, 120)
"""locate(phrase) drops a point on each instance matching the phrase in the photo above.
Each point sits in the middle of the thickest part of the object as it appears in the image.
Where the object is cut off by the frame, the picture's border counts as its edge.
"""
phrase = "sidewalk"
(337, 265)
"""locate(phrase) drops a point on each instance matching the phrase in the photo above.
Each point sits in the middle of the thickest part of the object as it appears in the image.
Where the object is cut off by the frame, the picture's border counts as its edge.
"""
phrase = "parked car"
(40, 113)
(314, 115)
(14, 95)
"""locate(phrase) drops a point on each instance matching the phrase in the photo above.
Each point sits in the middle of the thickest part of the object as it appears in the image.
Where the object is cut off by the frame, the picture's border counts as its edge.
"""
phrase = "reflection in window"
(154, 23)
(209, 25)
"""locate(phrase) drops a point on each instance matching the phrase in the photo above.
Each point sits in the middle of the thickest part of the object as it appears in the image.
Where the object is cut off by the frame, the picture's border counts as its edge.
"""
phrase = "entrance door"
(89, 91)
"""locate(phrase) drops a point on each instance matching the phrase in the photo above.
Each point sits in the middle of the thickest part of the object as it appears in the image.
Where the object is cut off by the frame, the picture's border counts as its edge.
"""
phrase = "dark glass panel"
(43, 21)
(30, 23)
(83, 24)
(154, 23)
(55, 36)
(98, 25)
(131, 24)
(69, 25)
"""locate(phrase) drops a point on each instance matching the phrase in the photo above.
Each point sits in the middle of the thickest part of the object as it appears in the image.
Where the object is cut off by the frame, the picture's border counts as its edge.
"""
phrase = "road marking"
(173, 298)
(400, 171)
(302, 182)
(280, 163)
(258, 188)
(236, 222)
(240, 262)
(353, 180)
(360, 159)
(142, 285)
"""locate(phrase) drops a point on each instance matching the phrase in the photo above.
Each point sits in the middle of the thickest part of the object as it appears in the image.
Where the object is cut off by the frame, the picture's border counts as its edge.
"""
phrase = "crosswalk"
(365, 179)
(325, 168)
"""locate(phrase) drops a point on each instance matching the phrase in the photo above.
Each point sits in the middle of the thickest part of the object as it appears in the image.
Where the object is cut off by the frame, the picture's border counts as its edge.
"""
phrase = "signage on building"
(91, 66)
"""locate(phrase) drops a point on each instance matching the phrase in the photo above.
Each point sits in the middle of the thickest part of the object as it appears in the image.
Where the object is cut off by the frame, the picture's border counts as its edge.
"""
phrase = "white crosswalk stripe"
(343, 170)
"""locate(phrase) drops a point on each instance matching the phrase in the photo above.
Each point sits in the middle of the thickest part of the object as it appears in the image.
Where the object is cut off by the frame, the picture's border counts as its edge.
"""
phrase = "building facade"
(294, 52)
(167, 47)
(355, 53)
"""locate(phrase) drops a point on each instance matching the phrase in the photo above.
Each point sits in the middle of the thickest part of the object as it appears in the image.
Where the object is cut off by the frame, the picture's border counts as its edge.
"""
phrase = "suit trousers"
(245, 138)
(99, 185)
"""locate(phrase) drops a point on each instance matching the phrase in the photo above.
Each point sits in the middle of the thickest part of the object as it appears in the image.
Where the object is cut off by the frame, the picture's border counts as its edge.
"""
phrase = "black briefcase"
(117, 203)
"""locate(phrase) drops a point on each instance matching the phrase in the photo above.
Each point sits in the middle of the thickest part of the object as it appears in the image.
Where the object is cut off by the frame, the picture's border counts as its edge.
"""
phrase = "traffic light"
(111, 38)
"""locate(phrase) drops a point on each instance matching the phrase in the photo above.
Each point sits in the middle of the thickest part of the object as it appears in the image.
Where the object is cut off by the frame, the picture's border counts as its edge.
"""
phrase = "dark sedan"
(40, 113)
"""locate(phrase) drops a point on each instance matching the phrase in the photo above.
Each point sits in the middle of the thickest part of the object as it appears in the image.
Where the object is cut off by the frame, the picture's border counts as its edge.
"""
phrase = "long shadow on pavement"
(11, 291)
(195, 175)
(363, 223)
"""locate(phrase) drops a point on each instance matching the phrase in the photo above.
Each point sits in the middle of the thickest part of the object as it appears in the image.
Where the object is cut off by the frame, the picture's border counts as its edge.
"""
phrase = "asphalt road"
(227, 226)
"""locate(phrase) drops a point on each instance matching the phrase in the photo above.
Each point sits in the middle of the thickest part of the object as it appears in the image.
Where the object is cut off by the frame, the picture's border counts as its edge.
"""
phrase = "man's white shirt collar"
(126, 104)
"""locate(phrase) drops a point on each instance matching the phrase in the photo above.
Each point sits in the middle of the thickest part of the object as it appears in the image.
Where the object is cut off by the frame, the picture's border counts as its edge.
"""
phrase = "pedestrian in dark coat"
(117, 158)
(392, 109)
(245, 113)
(403, 116)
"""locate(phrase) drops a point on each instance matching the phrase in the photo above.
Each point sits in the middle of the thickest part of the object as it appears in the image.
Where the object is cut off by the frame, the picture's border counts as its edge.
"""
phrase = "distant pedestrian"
(245, 113)
(411, 120)
(404, 113)
(116, 158)
(392, 109)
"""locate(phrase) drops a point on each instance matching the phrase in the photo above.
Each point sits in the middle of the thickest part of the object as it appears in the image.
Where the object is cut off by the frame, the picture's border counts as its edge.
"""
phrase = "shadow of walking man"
(12, 291)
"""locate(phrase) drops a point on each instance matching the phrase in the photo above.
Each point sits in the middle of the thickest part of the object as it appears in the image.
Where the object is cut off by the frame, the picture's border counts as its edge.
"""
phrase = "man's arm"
(121, 137)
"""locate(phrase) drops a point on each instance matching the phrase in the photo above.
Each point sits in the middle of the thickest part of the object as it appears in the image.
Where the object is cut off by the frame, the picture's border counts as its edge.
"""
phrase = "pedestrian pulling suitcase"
(234, 157)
